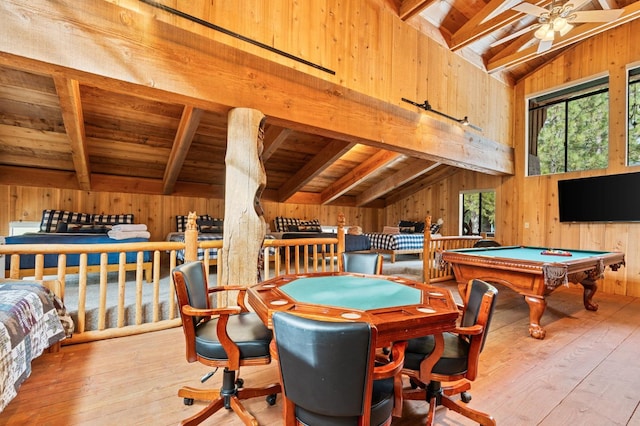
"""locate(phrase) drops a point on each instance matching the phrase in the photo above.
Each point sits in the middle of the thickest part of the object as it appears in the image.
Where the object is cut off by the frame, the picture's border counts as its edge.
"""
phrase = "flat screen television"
(612, 198)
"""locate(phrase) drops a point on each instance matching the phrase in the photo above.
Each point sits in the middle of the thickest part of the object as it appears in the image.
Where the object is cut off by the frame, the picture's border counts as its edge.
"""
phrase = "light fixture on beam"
(427, 107)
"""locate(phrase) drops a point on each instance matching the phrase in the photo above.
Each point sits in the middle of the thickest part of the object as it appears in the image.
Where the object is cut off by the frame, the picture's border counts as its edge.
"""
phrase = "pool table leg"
(590, 288)
(536, 308)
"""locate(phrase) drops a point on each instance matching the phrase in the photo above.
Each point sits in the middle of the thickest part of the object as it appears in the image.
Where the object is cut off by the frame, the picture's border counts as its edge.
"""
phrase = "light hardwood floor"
(585, 372)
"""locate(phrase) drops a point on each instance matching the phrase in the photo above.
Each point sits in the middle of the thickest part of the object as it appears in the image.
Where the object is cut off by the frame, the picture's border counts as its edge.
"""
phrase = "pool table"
(533, 272)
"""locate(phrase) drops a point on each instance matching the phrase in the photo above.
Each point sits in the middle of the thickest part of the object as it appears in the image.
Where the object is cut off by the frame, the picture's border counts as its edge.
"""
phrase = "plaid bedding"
(30, 322)
(213, 253)
(396, 241)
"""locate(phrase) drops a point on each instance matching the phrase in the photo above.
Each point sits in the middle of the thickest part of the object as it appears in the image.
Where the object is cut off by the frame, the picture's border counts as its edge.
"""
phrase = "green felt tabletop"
(533, 254)
(352, 292)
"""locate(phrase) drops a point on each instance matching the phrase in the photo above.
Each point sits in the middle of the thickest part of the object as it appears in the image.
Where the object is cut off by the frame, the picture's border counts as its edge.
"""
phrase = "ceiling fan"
(557, 18)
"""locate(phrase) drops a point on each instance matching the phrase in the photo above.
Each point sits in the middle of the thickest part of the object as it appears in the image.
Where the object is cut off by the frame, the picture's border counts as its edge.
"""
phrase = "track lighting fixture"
(427, 107)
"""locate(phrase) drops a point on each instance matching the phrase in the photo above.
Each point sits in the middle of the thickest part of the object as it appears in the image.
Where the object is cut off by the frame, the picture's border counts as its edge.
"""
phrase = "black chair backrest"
(193, 275)
(361, 263)
(325, 366)
(486, 243)
(474, 304)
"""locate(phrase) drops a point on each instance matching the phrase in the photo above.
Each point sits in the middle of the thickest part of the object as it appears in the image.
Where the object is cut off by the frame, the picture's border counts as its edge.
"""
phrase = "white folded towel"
(129, 227)
(123, 235)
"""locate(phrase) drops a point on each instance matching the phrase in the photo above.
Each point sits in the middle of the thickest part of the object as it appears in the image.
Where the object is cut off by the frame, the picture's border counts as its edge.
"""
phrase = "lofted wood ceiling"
(115, 141)
(58, 131)
(500, 39)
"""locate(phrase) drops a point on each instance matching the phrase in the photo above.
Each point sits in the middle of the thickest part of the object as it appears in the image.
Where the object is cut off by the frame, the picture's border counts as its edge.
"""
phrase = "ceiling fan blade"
(597, 15)
(514, 35)
(530, 9)
(575, 5)
(544, 45)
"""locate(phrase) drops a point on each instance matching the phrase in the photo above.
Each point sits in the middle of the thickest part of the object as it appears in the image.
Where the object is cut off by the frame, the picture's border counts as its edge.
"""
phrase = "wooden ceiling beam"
(334, 150)
(409, 8)
(226, 76)
(357, 175)
(274, 137)
(71, 108)
(189, 123)
(510, 56)
(435, 175)
(412, 171)
(476, 27)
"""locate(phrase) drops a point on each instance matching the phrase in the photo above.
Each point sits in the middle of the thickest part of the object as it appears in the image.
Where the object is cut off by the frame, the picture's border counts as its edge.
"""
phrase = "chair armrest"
(470, 331)
(195, 312)
(394, 366)
(242, 292)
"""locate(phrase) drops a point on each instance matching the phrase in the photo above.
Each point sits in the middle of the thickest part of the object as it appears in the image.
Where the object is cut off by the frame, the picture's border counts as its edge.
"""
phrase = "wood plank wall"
(368, 47)
(610, 53)
(158, 212)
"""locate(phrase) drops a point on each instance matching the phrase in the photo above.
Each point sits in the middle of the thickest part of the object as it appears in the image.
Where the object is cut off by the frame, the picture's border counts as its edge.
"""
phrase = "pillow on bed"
(83, 228)
(113, 219)
(211, 226)
(309, 226)
(282, 224)
(181, 221)
(51, 218)
(409, 227)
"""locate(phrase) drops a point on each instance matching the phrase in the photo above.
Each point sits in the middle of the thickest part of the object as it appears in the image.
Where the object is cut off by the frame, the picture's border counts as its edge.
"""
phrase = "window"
(478, 213)
(633, 140)
(569, 129)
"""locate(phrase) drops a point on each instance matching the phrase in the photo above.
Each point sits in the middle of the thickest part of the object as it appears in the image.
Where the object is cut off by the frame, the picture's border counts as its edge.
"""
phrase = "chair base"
(229, 396)
(436, 396)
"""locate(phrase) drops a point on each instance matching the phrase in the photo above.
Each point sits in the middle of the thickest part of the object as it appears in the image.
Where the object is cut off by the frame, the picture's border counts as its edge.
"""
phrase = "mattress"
(27, 261)
(394, 242)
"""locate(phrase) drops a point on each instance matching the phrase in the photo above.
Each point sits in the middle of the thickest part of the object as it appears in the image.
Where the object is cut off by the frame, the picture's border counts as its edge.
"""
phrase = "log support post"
(244, 224)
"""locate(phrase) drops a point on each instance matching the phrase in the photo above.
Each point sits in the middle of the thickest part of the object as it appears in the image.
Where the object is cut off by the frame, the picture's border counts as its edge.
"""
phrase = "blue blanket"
(27, 261)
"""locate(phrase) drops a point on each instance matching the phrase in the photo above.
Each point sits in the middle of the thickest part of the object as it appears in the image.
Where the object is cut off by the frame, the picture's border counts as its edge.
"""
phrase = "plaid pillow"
(113, 219)
(283, 223)
(50, 219)
(181, 221)
(310, 226)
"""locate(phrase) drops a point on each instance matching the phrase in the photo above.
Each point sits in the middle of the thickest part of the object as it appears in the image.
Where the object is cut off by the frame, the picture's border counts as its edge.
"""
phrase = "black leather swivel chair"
(220, 337)
(486, 243)
(459, 362)
(328, 373)
(362, 263)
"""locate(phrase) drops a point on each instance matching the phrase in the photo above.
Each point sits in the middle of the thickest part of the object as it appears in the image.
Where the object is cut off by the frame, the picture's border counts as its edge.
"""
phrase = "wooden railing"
(106, 304)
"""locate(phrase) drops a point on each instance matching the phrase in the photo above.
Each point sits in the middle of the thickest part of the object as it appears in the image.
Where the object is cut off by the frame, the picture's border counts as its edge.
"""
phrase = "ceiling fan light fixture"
(542, 31)
(549, 36)
(566, 29)
(559, 24)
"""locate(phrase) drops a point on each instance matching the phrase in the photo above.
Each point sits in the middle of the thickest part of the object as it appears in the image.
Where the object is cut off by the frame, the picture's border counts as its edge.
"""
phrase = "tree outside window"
(478, 213)
(569, 129)
(633, 139)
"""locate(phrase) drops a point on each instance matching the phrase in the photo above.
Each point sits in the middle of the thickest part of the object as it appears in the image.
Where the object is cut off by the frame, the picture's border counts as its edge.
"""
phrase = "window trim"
(631, 70)
(567, 88)
(461, 207)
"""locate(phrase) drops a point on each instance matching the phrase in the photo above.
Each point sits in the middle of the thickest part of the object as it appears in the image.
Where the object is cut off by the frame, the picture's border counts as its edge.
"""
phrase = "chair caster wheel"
(465, 397)
(271, 399)
(188, 401)
(240, 383)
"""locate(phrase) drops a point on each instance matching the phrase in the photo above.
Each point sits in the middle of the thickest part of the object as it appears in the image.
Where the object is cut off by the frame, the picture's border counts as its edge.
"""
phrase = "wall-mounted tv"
(612, 198)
